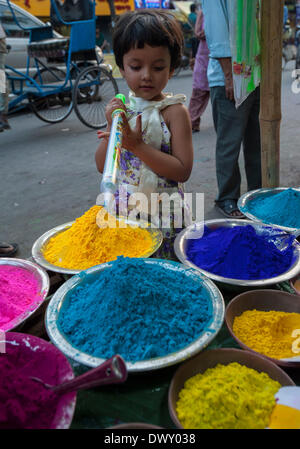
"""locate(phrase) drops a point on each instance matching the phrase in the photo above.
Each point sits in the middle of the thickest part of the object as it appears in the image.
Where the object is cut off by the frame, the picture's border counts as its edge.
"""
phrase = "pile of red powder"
(19, 293)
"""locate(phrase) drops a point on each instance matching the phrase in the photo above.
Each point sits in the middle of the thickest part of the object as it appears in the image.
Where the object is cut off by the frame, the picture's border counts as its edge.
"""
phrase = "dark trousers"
(235, 127)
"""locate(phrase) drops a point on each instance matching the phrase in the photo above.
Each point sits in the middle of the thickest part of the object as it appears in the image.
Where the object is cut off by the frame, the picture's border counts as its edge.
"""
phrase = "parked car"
(17, 38)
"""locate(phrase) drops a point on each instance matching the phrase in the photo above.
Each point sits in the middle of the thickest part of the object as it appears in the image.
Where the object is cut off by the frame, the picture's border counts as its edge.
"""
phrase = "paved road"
(48, 174)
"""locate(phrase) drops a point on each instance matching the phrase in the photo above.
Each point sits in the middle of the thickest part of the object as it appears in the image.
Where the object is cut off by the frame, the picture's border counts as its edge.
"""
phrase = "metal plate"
(67, 403)
(245, 199)
(182, 238)
(41, 242)
(44, 283)
(200, 343)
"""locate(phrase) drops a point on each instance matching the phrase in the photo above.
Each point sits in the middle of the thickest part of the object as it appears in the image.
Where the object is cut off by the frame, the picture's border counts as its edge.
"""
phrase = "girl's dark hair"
(157, 28)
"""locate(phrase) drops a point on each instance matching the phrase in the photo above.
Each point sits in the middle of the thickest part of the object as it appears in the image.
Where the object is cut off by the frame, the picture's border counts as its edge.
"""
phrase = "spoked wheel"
(94, 88)
(53, 108)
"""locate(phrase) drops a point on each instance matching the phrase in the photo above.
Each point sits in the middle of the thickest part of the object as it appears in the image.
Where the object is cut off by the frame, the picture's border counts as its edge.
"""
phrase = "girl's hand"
(132, 138)
(115, 103)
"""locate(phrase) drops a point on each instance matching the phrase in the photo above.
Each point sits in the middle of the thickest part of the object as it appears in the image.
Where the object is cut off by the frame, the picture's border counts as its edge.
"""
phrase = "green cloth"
(244, 23)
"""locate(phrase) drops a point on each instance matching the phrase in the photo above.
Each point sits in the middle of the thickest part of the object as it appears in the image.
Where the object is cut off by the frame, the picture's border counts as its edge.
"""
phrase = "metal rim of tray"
(182, 237)
(248, 196)
(40, 274)
(196, 346)
(40, 243)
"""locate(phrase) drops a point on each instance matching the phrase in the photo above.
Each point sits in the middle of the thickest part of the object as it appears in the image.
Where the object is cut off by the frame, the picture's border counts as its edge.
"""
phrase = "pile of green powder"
(136, 309)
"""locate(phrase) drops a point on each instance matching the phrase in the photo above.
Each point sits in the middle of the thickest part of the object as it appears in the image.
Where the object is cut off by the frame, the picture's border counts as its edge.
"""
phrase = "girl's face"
(147, 71)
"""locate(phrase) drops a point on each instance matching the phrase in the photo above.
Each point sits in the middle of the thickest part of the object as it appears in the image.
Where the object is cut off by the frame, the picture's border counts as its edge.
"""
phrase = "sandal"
(228, 207)
(8, 249)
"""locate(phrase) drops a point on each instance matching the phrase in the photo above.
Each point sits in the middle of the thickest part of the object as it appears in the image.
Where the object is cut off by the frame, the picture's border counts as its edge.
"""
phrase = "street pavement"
(49, 177)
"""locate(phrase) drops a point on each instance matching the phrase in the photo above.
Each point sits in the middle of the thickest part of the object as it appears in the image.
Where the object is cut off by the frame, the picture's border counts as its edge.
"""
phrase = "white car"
(16, 38)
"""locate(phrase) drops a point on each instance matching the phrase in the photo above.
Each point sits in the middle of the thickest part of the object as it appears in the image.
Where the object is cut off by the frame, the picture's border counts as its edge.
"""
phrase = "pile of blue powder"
(281, 208)
(240, 253)
(136, 309)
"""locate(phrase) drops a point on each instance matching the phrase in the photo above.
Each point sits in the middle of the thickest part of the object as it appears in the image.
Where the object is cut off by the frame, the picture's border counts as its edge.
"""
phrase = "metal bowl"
(41, 242)
(36, 355)
(44, 284)
(245, 199)
(180, 246)
(197, 345)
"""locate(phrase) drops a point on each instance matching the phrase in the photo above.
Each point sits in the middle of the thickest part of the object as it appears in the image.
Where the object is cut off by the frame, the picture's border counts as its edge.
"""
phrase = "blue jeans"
(235, 127)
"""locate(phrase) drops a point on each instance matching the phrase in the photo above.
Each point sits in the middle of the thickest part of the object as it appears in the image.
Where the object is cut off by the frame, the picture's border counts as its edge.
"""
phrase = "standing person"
(233, 126)
(192, 19)
(101, 41)
(200, 93)
(3, 84)
(157, 153)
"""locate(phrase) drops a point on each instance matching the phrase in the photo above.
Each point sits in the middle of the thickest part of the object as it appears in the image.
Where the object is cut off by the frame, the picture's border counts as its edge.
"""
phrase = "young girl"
(157, 153)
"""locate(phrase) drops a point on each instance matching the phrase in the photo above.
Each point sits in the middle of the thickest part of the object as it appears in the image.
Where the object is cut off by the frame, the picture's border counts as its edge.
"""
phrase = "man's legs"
(252, 146)
(230, 126)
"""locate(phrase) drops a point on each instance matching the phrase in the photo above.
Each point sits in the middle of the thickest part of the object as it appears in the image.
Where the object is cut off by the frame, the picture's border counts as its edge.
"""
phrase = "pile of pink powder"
(19, 293)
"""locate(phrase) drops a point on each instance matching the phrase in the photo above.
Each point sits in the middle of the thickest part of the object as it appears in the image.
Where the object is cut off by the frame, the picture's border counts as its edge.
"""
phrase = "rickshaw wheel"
(93, 89)
(53, 108)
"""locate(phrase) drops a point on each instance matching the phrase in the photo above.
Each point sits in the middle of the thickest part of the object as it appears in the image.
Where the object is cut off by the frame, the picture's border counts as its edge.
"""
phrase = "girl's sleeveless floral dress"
(129, 175)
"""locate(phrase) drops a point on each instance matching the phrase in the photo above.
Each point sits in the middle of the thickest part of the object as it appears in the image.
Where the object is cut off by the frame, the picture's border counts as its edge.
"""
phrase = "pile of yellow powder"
(227, 397)
(86, 244)
(268, 332)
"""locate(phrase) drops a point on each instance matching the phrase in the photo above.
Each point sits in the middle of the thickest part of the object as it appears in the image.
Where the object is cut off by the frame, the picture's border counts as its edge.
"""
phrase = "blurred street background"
(49, 177)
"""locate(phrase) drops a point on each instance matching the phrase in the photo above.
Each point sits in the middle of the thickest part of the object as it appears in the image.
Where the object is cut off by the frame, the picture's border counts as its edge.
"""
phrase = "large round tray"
(44, 285)
(180, 246)
(41, 242)
(245, 199)
(197, 345)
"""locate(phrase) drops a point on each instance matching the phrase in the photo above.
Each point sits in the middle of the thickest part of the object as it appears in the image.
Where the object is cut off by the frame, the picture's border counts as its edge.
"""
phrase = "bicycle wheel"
(52, 108)
(94, 88)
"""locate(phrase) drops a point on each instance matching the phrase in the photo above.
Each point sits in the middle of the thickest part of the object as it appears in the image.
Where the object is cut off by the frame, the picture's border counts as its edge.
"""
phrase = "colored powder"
(227, 397)
(284, 417)
(85, 244)
(136, 309)
(280, 208)
(268, 332)
(19, 293)
(240, 253)
(25, 403)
